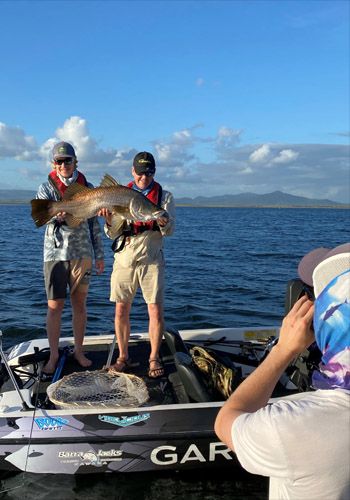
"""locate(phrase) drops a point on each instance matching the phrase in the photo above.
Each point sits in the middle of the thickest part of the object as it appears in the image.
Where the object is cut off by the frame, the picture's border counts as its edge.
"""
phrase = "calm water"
(225, 267)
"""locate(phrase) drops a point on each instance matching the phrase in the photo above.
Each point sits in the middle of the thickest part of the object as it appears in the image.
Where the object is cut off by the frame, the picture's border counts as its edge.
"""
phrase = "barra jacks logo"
(124, 421)
(90, 457)
(50, 424)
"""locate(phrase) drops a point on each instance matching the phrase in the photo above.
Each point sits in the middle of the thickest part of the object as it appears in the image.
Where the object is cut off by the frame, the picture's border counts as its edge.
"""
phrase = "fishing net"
(89, 389)
(218, 377)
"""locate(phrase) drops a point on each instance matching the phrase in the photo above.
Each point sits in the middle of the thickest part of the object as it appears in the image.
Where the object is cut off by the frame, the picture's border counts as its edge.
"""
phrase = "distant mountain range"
(275, 199)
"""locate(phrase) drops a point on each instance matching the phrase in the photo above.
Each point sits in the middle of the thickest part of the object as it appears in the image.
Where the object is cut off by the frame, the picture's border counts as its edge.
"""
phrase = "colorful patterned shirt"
(64, 243)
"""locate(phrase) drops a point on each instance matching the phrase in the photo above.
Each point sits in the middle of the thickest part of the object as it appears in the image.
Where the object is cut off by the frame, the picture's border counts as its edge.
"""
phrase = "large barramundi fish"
(80, 203)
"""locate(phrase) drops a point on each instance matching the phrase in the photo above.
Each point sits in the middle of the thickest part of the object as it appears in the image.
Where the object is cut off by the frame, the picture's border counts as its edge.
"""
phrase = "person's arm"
(255, 391)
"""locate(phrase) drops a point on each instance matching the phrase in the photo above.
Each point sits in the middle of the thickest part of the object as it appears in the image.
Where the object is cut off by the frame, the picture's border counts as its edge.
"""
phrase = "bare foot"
(82, 359)
(50, 367)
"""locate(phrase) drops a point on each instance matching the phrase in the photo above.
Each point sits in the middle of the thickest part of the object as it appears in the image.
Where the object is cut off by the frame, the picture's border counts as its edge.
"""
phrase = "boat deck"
(164, 390)
(182, 382)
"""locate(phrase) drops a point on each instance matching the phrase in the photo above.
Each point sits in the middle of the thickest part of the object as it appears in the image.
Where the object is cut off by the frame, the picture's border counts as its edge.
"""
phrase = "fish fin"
(109, 181)
(124, 212)
(74, 189)
(117, 225)
(72, 221)
(41, 211)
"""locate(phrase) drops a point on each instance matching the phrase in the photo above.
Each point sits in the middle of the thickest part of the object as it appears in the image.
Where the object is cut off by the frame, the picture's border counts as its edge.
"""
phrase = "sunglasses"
(147, 174)
(66, 161)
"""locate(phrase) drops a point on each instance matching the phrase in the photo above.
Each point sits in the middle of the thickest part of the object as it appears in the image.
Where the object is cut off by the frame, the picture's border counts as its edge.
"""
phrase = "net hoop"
(96, 389)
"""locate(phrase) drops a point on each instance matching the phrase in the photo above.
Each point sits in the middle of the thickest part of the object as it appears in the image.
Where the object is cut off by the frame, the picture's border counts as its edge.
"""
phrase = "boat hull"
(174, 430)
(113, 442)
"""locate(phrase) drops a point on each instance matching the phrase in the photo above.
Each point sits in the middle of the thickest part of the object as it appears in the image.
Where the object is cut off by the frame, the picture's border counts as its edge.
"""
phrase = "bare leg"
(122, 331)
(53, 328)
(156, 327)
(78, 300)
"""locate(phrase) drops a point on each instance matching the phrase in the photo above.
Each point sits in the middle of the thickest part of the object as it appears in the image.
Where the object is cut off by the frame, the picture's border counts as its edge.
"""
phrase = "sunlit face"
(142, 181)
(65, 166)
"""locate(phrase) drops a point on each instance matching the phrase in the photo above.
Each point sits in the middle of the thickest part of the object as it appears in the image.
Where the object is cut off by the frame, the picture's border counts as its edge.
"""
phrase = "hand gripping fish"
(80, 203)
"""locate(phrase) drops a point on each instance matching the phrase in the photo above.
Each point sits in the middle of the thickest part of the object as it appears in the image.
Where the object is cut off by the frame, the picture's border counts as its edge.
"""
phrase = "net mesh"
(89, 389)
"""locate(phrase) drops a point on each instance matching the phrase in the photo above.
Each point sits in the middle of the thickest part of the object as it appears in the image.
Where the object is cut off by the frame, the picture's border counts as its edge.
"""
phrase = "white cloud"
(226, 141)
(200, 82)
(75, 131)
(228, 136)
(14, 143)
(271, 154)
(191, 163)
(286, 156)
(261, 154)
(174, 152)
(183, 137)
(94, 160)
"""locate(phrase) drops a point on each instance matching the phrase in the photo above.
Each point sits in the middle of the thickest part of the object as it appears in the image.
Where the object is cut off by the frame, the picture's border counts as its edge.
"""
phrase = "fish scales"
(81, 203)
(86, 204)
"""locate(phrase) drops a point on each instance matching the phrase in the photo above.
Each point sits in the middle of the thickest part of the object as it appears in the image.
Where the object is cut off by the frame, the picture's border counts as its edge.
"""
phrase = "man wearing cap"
(68, 255)
(302, 441)
(139, 262)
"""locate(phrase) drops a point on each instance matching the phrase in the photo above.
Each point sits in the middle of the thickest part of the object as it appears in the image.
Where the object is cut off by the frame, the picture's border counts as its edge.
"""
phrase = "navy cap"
(63, 150)
(144, 163)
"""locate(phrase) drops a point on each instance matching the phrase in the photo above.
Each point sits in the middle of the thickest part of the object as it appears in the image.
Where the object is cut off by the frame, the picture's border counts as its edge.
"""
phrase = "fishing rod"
(25, 407)
(246, 344)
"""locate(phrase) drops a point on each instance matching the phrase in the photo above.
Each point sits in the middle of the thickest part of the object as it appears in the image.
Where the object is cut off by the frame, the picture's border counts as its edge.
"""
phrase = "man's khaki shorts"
(59, 275)
(126, 280)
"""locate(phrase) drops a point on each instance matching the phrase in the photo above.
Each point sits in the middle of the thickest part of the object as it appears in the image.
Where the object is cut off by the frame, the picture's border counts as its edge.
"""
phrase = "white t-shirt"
(302, 442)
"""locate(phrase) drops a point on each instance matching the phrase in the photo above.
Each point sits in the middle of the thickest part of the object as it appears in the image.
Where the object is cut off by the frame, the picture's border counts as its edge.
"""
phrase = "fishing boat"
(171, 429)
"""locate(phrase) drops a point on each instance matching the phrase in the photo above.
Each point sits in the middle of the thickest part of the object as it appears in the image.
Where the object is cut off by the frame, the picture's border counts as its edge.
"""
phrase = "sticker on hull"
(50, 424)
(124, 421)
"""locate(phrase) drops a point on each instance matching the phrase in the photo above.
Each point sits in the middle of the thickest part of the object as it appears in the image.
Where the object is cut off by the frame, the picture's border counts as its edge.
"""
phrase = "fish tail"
(41, 211)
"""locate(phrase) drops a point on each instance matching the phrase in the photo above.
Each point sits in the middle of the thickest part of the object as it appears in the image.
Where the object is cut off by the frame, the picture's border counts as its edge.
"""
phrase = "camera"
(300, 371)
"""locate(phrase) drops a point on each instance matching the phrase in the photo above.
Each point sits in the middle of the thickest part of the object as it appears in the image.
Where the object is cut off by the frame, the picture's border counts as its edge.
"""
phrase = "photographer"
(302, 441)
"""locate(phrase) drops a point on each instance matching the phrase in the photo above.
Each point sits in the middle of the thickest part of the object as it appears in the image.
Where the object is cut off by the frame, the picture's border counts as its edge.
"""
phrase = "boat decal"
(124, 421)
(169, 455)
(50, 423)
(91, 457)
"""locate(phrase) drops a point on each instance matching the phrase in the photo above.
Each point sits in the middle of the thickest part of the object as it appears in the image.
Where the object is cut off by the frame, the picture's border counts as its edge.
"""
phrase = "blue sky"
(230, 96)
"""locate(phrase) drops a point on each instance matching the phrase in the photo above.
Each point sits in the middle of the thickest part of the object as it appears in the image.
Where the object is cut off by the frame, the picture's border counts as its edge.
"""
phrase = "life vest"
(59, 186)
(155, 196)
